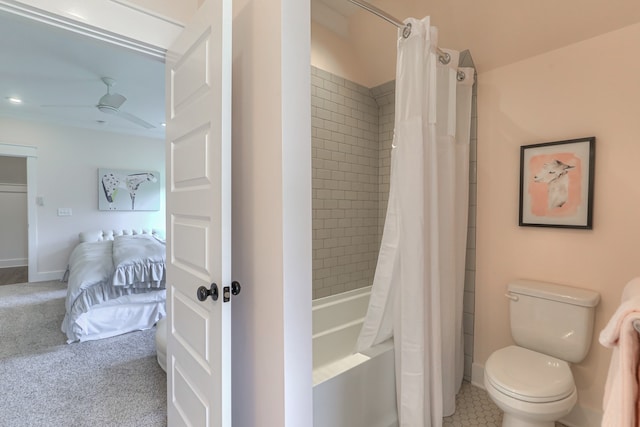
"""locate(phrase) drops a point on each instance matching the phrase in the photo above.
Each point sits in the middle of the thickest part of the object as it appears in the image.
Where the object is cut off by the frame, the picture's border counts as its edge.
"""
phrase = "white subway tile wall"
(352, 132)
(345, 184)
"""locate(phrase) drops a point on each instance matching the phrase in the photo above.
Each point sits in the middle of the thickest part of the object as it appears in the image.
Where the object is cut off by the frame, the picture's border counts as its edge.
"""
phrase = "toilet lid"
(529, 376)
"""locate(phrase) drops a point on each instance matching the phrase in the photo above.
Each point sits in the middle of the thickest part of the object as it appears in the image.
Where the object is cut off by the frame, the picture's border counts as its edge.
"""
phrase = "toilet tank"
(552, 319)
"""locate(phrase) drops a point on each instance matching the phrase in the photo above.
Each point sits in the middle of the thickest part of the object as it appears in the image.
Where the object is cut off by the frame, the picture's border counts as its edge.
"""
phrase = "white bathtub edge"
(344, 296)
(330, 331)
(350, 388)
(379, 348)
(330, 370)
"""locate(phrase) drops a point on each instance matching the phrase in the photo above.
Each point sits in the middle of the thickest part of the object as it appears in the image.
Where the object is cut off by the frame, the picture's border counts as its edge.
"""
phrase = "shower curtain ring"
(406, 32)
(444, 58)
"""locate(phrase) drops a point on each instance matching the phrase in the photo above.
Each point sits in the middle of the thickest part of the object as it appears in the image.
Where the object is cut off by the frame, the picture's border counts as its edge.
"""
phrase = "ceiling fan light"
(107, 109)
(114, 100)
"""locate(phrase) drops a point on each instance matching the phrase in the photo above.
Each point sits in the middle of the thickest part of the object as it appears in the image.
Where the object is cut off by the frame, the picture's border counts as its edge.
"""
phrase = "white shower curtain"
(418, 285)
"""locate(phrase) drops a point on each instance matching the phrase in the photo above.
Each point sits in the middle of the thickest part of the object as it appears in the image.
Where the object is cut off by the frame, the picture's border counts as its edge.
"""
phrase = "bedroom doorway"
(255, 348)
(13, 227)
(17, 188)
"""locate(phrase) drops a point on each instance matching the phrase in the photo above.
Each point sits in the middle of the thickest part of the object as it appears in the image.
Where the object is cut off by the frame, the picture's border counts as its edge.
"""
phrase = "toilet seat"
(528, 375)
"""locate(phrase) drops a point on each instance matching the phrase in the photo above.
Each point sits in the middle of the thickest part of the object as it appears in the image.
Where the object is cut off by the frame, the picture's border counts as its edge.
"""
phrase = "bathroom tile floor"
(474, 407)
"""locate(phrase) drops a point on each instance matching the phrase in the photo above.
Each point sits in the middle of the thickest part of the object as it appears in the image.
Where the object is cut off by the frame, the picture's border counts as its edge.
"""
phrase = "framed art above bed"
(128, 190)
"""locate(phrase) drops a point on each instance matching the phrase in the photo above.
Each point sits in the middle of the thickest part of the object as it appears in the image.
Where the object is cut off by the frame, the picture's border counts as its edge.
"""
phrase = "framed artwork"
(128, 190)
(556, 183)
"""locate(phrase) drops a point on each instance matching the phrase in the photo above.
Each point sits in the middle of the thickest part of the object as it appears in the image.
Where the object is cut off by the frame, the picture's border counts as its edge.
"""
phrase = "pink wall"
(330, 52)
(586, 89)
(271, 226)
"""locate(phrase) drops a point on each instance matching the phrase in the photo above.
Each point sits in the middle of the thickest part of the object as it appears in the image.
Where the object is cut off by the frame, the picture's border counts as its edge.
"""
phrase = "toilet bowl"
(552, 326)
(161, 343)
(531, 388)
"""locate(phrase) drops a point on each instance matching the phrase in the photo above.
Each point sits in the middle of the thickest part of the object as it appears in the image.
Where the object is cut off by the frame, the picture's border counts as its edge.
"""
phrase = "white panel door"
(199, 219)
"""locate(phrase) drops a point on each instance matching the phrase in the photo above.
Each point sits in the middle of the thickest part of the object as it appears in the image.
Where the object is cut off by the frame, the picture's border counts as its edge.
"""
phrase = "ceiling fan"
(110, 103)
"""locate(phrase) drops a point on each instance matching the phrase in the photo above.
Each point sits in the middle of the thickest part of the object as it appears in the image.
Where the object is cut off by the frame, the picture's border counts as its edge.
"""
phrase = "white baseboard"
(14, 262)
(45, 276)
(477, 375)
(580, 416)
(13, 188)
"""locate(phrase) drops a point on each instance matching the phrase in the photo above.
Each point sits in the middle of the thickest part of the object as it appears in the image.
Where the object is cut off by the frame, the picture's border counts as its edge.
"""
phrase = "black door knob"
(203, 293)
(235, 288)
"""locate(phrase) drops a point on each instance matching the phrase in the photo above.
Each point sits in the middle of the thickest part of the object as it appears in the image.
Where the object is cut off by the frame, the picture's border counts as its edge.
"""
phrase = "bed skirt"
(127, 313)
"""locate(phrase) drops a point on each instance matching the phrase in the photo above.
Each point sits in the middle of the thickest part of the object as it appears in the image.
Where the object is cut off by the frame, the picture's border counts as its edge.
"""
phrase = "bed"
(115, 284)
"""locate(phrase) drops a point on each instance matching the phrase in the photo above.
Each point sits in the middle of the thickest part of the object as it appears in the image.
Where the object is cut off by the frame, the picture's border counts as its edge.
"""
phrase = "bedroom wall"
(67, 170)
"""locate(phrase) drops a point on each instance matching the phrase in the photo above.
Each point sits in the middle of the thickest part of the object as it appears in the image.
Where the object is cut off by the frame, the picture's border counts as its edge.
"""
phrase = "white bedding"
(139, 261)
(95, 308)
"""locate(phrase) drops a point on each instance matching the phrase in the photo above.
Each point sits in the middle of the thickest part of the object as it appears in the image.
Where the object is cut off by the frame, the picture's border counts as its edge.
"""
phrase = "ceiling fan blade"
(66, 106)
(114, 100)
(135, 119)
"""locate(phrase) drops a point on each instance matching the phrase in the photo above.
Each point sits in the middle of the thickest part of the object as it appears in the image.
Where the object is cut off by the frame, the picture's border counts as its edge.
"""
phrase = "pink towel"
(620, 403)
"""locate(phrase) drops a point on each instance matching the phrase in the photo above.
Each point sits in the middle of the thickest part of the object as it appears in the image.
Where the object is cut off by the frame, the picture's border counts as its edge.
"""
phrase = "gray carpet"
(46, 382)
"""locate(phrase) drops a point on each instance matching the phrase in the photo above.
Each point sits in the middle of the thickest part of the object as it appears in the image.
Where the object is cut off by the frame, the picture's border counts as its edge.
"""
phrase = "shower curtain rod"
(443, 56)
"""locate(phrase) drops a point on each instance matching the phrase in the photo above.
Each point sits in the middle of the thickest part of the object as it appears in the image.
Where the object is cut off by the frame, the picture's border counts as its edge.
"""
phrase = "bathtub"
(350, 389)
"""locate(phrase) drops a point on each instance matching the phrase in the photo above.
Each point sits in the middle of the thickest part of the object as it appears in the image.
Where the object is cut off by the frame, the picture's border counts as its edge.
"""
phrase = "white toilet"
(551, 325)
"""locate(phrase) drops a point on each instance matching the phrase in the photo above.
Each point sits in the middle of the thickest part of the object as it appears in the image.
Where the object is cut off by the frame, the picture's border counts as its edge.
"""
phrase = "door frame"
(115, 21)
(30, 154)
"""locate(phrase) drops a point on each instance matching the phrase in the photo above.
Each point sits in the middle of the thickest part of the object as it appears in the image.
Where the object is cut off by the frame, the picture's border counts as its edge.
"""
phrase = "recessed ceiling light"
(163, 125)
(14, 100)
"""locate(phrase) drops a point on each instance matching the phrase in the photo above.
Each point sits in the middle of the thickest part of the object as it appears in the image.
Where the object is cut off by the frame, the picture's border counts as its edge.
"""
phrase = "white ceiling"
(46, 65)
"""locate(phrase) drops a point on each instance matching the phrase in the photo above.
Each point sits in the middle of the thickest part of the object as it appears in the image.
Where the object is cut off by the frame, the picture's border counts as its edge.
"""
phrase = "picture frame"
(128, 190)
(556, 184)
